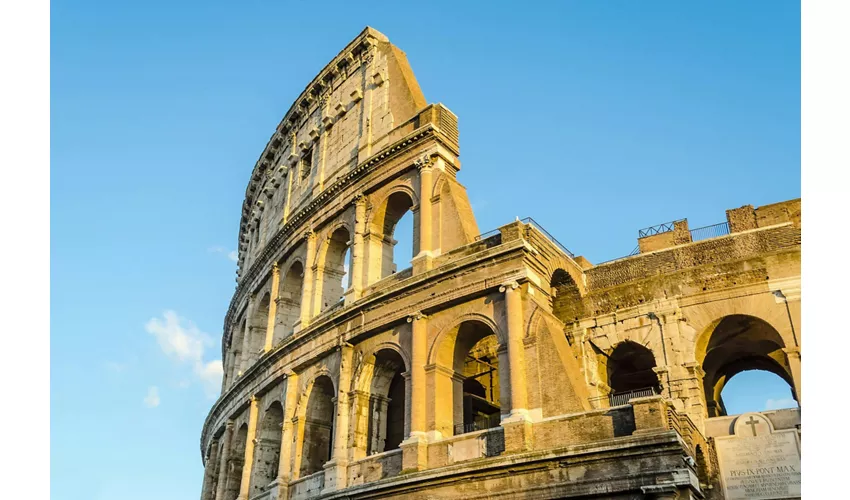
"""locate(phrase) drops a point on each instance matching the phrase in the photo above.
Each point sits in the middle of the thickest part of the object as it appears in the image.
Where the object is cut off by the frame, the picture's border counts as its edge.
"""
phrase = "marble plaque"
(758, 462)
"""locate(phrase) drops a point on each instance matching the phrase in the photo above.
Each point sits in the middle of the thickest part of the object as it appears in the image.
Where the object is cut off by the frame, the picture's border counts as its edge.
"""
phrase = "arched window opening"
(755, 390)
(736, 344)
(392, 225)
(469, 356)
(630, 373)
(480, 372)
(236, 463)
(334, 268)
(257, 332)
(235, 360)
(386, 402)
(566, 299)
(346, 272)
(318, 427)
(289, 302)
(267, 449)
(403, 242)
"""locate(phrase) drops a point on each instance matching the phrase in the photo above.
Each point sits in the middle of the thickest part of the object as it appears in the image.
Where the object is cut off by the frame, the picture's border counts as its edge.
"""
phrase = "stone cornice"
(254, 382)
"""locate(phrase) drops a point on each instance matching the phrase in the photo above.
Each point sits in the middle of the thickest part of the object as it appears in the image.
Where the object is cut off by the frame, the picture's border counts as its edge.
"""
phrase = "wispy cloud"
(230, 254)
(184, 343)
(778, 404)
(152, 399)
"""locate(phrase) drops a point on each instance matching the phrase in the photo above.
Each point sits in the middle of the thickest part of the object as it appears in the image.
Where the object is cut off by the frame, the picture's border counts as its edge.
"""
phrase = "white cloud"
(185, 343)
(178, 337)
(778, 404)
(152, 399)
(232, 255)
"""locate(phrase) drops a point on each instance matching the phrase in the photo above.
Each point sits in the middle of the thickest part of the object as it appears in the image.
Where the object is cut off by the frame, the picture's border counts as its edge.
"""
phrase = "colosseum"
(499, 364)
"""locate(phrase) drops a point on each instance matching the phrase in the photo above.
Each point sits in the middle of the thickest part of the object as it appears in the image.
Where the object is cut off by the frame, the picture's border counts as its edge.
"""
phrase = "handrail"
(713, 231)
(664, 227)
(535, 224)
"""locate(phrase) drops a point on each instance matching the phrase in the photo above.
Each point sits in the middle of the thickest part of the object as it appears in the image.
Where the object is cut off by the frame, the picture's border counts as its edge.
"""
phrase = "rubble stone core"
(497, 365)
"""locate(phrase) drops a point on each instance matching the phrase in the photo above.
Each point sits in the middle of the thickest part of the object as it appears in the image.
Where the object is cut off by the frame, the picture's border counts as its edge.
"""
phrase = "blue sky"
(595, 118)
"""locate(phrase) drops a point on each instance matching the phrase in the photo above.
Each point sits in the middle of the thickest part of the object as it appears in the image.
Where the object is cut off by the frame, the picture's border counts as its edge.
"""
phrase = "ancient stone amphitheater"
(498, 365)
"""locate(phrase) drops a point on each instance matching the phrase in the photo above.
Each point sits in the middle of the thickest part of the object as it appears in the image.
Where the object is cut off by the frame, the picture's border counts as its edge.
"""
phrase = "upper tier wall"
(345, 115)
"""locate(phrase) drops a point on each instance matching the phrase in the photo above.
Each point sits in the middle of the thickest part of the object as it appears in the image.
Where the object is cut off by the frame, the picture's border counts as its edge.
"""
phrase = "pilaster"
(250, 442)
(415, 447)
(517, 426)
(272, 308)
(307, 286)
(423, 262)
(336, 468)
(221, 488)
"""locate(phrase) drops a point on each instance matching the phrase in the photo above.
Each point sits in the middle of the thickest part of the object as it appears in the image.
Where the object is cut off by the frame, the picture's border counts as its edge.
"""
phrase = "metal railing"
(664, 227)
(535, 224)
(623, 398)
(488, 234)
(479, 425)
(704, 233)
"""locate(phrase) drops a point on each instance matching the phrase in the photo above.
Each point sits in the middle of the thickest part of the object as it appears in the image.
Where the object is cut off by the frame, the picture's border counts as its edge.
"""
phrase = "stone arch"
(331, 265)
(380, 420)
(237, 341)
(255, 334)
(566, 292)
(628, 367)
(211, 468)
(236, 463)
(317, 421)
(452, 327)
(382, 223)
(289, 300)
(736, 343)
(267, 448)
(471, 348)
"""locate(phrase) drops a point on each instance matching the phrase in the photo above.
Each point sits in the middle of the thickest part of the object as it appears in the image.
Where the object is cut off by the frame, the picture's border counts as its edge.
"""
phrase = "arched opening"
(267, 449)
(566, 298)
(333, 275)
(473, 355)
(386, 402)
(211, 470)
(289, 303)
(234, 361)
(392, 225)
(256, 332)
(236, 463)
(629, 372)
(318, 426)
(740, 343)
(755, 391)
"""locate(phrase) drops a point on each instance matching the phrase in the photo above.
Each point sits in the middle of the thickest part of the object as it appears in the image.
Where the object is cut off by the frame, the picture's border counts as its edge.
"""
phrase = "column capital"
(511, 285)
(229, 425)
(416, 316)
(792, 352)
(425, 162)
(276, 268)
(310, 234)
(359, 199)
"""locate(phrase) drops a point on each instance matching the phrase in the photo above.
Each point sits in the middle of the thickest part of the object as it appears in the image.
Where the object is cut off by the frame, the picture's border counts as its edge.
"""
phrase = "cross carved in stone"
(752, 423)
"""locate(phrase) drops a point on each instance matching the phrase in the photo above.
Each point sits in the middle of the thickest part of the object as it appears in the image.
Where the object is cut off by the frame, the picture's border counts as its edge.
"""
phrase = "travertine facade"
(497, 365)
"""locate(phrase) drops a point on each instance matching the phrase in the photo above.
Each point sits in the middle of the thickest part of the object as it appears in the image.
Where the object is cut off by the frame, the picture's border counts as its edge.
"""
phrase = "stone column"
(518, 429)
(358, 251)
(284, 471)
(225, 458)
(336, 468)
(245, 356)
(272, 308)
(245, 486)
(793, 355)
(289, 185)
(423, 261)
(307, 286)
(414, 448)
(210, 466)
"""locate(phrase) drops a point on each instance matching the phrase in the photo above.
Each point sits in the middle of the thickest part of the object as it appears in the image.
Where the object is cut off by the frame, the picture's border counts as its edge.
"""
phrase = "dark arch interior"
(566, 299)
(318, 426)
(477, 361)
(630, 368)
(267, 451)
(386, 425)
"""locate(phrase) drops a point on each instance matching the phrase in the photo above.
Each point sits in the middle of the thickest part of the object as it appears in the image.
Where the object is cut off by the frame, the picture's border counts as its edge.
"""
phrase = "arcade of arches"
(498, 363)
